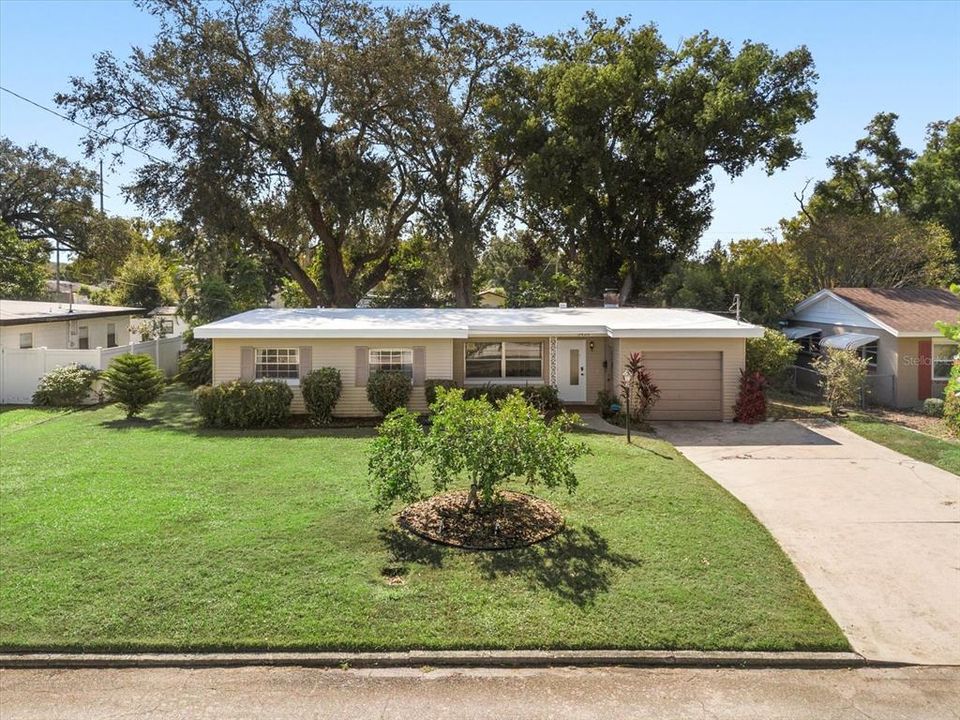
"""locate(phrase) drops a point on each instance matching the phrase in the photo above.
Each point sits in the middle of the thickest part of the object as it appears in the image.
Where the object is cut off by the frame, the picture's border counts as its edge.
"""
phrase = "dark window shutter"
(362, 369)
(419, 365)
(246, 363)
(306, 360)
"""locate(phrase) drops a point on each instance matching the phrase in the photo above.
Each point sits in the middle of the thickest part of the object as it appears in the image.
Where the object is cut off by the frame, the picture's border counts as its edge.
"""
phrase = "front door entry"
(572, 370)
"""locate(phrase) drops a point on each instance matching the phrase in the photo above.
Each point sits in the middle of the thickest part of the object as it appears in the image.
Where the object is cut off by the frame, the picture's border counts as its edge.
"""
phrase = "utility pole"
(735, 306)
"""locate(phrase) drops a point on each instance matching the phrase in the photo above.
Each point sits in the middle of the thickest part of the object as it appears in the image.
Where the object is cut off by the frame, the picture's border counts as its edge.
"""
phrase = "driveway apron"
(875, 534)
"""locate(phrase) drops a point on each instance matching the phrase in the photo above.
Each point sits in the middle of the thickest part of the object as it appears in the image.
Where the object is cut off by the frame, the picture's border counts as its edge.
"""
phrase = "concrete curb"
(445, 658)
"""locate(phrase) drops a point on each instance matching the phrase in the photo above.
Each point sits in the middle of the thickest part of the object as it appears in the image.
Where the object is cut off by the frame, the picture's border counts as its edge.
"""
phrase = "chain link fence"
(876, 390)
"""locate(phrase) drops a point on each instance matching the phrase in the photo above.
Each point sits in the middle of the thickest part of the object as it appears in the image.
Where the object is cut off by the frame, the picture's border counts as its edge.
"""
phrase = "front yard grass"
(153, 535)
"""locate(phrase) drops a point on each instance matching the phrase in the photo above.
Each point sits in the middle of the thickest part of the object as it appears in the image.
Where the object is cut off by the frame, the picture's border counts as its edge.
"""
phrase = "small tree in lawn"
(951, 394)
(751, 404)
(637, 389)
(133, 382)
(842, 374)
(475, 442)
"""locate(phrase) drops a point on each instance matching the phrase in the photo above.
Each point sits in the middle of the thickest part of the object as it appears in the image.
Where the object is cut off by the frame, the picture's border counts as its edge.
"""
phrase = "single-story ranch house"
(28, 324)
(694, 357)
(894, 329)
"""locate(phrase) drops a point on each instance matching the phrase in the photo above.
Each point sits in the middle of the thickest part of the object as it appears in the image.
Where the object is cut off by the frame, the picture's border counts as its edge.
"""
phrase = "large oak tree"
(624, 131)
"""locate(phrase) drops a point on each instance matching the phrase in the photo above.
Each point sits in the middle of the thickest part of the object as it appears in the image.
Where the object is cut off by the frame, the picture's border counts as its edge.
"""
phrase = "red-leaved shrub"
(751, 405)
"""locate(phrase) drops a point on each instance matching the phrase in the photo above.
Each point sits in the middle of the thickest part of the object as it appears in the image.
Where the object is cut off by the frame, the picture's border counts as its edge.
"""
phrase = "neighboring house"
(491, 298)
(68, 291)
(894, 329)
(36, 337)
(171, 323)
(63, 326)
(694, 357)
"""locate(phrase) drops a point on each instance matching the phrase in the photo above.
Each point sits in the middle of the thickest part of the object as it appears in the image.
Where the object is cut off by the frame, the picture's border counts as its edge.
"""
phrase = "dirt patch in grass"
(516, 520)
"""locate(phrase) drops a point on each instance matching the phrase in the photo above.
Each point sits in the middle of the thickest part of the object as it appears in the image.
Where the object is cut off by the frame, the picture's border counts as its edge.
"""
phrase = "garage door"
(691, 385)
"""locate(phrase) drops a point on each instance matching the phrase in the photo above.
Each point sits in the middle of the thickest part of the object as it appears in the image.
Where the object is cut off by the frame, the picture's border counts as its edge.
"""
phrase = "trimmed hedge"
(545, 398)
(65, 386)
(243, 404)
(321, 390)
(933, 407)
(388, 390)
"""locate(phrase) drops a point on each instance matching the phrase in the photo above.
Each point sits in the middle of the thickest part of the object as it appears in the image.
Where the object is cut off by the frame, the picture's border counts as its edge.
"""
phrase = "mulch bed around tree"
(516, 520)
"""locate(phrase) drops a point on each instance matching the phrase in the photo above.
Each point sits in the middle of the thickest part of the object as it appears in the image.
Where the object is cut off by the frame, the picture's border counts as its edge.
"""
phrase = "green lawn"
(942, 453)
(153, 535)
(16, 417)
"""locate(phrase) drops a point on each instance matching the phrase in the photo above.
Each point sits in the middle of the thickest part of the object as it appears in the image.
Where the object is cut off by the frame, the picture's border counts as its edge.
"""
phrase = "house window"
(503, 360)
(84, 338)
(277, 364)
(111, 335)
(26, 340)
(166, 327)
(869, 353)
(943, 357)
(397, 360)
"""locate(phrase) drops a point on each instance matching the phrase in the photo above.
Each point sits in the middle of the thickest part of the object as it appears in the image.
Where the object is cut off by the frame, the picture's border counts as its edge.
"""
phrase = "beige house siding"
(55, 335)
(596, 373)
(340, 354)
(699, 355)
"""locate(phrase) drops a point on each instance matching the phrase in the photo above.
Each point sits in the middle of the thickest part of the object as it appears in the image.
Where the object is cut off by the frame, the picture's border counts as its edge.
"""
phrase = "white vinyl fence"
(21, 370)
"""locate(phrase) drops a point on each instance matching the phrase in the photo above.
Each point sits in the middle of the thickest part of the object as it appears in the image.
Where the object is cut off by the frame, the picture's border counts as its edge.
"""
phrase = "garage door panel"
(691, 384)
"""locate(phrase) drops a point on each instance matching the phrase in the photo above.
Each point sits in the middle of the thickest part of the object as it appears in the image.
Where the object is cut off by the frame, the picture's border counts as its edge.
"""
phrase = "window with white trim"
(870, 353)
(503, 360)
(394, 359)
(111, 335)
(84, 337)
(277, 364)
(26, 340)
(944, 355)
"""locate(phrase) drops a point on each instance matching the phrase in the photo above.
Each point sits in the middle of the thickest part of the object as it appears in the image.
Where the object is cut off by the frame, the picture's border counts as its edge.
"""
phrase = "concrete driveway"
(875, 533)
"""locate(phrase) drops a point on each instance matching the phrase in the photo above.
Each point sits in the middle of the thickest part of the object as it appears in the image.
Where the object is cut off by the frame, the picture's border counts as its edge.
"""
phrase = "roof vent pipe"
(611, 298)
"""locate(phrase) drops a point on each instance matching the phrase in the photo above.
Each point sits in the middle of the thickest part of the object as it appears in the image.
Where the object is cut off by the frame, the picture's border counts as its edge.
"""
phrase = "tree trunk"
(461, 280)
(626, 288)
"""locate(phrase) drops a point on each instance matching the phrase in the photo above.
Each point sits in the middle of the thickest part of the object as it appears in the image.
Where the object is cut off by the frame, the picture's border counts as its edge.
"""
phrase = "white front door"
(572, 370)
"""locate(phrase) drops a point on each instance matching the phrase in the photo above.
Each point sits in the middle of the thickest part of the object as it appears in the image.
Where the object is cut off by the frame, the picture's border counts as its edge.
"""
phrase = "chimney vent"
(611, 298)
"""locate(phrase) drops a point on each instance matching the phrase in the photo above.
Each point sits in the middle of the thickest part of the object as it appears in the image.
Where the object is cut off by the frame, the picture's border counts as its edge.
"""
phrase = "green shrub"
(951, 399)
(605, 403)
(243, 404)
(388, 390)
(771, 354)
(430, 388)
(476, 443)
(321, 390)
(842, 375)
(492, 392)
(195, 366)
(933, 407)
(545, 398)
(65, 386)
(133, 382)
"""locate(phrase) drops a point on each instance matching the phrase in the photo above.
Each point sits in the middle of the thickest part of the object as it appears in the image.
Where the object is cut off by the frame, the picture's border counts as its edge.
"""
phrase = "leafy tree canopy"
(23, 266)
(45, 197)
(622, 133)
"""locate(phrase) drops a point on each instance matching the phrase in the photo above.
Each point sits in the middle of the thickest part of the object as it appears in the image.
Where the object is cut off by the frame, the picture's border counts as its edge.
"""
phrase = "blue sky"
(871, 57)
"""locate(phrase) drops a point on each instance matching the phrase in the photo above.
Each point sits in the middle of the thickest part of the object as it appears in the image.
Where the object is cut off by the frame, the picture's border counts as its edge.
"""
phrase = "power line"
(81, 125)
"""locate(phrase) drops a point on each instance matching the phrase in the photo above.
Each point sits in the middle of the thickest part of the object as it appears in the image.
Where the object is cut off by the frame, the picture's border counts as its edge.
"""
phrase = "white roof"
(799, 331)
(474, 322)
(847, 341)
(19, 312)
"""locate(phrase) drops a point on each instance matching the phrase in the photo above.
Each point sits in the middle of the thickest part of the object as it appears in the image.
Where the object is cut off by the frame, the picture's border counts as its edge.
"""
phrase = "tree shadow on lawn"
(576, 564)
